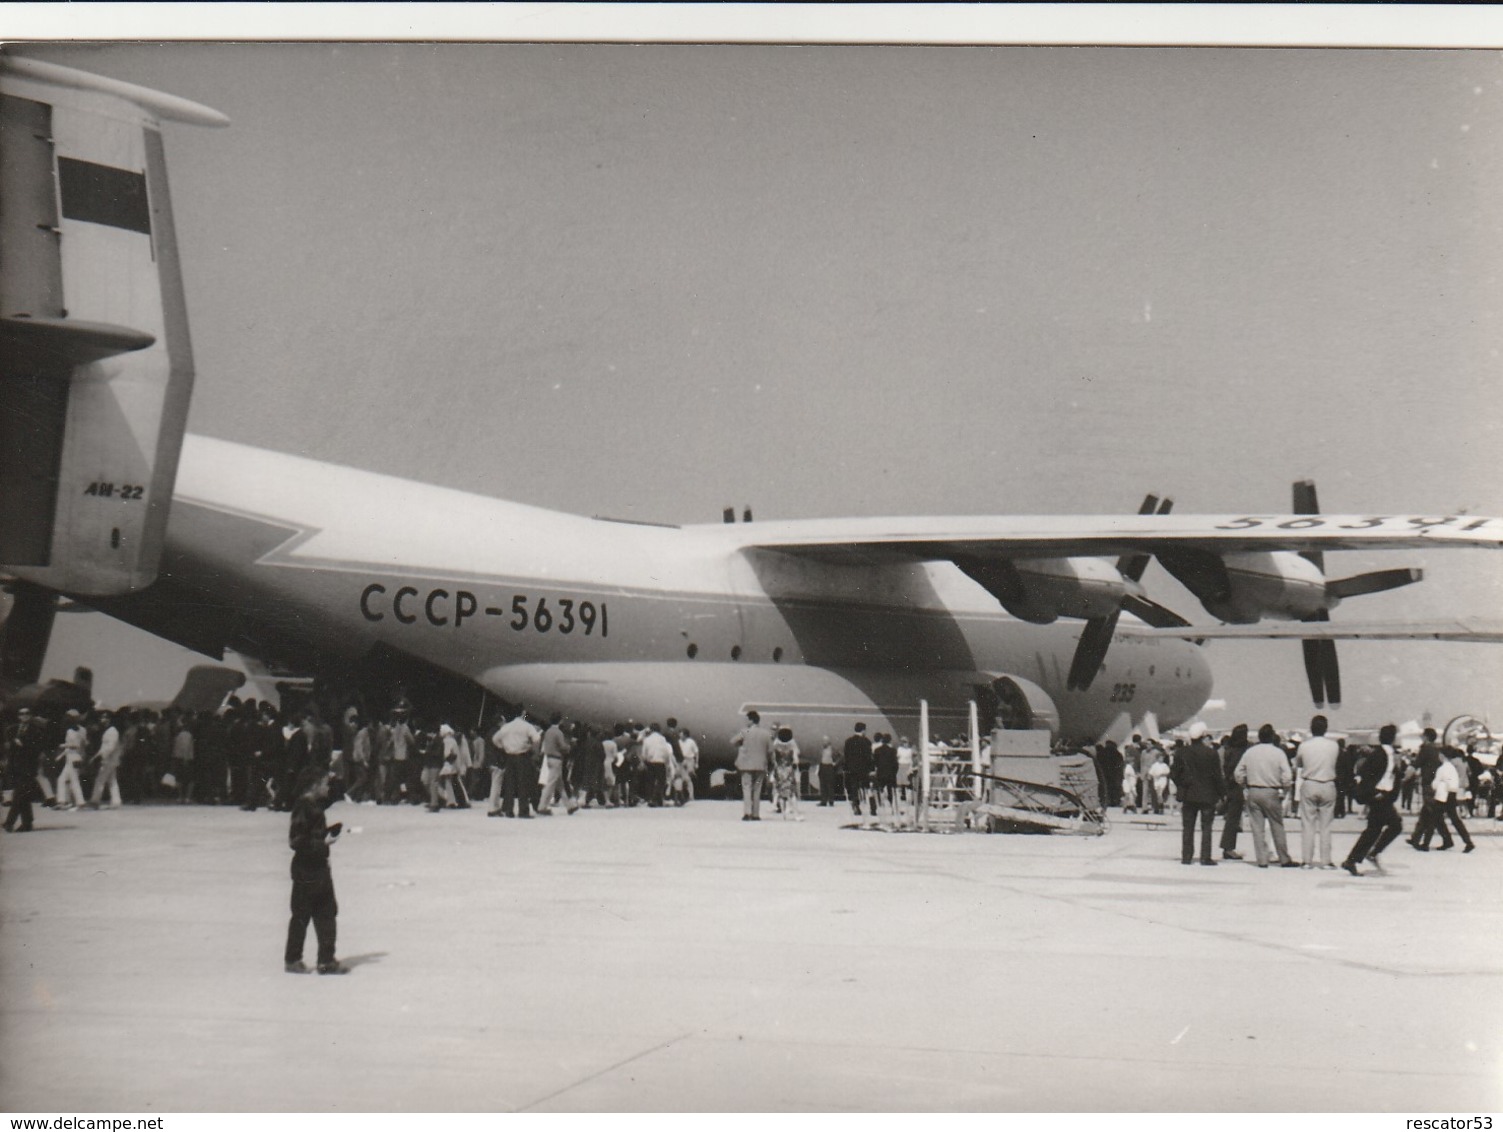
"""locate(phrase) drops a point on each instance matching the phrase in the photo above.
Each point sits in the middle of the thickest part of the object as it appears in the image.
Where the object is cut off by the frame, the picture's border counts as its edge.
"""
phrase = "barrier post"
(923, 799)
(976, 766)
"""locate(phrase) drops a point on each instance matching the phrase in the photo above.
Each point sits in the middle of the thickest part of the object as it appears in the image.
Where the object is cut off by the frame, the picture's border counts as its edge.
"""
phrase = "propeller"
(1096, 637)
(1321, 666)
(1322, 669)
(1464, 731)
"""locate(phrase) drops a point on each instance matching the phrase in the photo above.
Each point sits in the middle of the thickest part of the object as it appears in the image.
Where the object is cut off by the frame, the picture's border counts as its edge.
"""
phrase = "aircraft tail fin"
(206, 686)
(96, 369)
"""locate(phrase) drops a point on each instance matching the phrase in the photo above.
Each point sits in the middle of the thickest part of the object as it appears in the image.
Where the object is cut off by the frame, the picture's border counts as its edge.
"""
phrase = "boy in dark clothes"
(312, 882)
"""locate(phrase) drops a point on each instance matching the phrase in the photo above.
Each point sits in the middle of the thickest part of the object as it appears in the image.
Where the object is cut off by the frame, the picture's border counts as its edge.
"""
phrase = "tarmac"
(681, 959)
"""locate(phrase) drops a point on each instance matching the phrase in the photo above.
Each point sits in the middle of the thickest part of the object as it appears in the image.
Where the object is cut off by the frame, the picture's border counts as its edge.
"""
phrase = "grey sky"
(653, 281)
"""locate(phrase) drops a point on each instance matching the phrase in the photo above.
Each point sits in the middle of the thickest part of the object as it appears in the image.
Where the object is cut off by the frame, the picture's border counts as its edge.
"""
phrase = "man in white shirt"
(826, 772)
(1446, 788)
(690, 751)
(1264, 773)
(657, 753)
(516, 739)
(1316, 762)
(70, 793)
(109, 766)
(906, 768)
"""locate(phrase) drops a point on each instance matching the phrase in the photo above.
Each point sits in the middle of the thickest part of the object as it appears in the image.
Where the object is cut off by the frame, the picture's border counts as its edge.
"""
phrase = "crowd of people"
(534, 769)
(1137, 776)
(878, 775)
(250, 754)
(1319, 779)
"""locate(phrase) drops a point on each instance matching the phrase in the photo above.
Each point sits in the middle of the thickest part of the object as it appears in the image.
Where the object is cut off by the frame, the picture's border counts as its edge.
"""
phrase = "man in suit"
(752, 743)
(25, 744)
(1431, 809)
(1346, 773)
(1378, 773)
(1199, 785)
(1232, 749)
(858, 764)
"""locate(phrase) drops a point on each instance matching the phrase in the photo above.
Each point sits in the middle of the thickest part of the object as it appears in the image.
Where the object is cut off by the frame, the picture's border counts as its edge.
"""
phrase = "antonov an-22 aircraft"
(815, 623)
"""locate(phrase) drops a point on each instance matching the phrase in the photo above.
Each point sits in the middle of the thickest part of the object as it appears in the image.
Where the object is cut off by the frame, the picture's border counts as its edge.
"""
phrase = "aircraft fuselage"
(608, 621)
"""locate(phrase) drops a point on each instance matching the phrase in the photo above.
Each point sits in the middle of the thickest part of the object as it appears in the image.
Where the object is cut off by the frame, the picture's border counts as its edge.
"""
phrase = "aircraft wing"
(1480, 632)
(863, 540)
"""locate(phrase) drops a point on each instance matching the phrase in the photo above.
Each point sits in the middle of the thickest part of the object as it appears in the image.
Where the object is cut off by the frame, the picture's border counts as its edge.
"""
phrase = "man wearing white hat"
(75, 740)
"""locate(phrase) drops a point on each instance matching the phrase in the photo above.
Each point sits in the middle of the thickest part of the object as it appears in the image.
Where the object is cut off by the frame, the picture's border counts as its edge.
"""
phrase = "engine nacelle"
(1041, 590)
(1278, 584)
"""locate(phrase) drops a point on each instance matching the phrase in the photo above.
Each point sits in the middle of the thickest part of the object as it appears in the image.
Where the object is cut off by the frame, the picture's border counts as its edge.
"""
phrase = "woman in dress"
(455, 766)
(1158, 776)
(785, 773)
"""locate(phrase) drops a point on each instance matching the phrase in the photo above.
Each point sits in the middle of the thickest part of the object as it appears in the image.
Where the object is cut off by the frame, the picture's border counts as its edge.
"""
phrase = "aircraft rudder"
(98, 368)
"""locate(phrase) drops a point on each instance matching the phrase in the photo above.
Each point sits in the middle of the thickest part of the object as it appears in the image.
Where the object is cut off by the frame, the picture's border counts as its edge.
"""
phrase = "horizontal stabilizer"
(206, 686)
(60, 343)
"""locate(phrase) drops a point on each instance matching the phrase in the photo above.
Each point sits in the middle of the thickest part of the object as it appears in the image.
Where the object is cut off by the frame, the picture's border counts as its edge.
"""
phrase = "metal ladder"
(956, 793)
(947, 779)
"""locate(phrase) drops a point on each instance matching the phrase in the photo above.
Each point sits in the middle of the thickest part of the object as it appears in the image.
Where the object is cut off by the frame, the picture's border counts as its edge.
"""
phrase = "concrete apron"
(682, 959)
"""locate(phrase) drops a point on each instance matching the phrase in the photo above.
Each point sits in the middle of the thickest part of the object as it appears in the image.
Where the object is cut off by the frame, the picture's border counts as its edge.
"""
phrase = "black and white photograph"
(750, 577)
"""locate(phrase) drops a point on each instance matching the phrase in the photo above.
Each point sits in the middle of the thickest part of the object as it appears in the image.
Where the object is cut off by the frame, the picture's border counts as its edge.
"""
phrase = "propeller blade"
(1314, 672)
(1332, 673)
(1305, 503)
(1095, 639)
(1375, 582)
(1321, 667)
(1152, 613)
(1131, 566)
